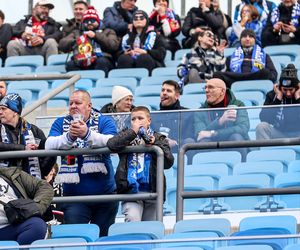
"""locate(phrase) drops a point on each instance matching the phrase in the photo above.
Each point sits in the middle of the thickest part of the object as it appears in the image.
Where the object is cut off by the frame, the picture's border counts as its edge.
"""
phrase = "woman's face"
(246, 11)
(139, 21)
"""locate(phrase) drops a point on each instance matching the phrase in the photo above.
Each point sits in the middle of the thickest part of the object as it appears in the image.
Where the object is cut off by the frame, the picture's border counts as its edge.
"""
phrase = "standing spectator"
(5, 36)
(15, 184)
(142, 48)
(166, 23)
(283, 27)
(94, 45)
(119, 17)
(281, 122)
(264, 8)
(199, 17)
(85, 127)
(249, 20)
(136, 172)
(249, 61)
(37, 34)
(79, 8)
(3, 89)
(203, 60)
(122, 102)
(219, 124)
(18, 134)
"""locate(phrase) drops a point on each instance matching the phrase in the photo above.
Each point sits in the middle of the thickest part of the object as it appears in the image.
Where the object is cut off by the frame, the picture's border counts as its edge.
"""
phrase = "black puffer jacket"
(123, 139)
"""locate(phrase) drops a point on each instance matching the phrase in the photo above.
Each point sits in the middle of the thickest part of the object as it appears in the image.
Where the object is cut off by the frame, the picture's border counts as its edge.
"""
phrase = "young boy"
(136, 172)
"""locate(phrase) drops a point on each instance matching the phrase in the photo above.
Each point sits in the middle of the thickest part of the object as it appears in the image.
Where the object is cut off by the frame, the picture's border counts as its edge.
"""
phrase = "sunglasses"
(136, 18)
(86, 21)
(209, 34)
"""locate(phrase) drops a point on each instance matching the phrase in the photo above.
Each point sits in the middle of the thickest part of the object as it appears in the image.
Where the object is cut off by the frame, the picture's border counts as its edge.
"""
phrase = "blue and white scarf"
(27, 137)
(138, 164)
(275, 16)
(258, 59)
(148, 45)
(70, 165)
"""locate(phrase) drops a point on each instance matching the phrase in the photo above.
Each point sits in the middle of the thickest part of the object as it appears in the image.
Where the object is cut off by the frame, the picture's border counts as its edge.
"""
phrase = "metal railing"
(181, 194)
(105, 198)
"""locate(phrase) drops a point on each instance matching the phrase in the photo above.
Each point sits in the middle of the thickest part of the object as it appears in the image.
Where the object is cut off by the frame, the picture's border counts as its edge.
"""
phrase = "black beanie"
(288, 77)
(154, 2)
(248, 32)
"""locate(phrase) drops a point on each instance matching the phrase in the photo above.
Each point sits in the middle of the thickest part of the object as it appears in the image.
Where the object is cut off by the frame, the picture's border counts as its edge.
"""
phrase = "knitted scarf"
(258, 59)
(71, 165)
(138, 164)
(275, 16)
(26, 137)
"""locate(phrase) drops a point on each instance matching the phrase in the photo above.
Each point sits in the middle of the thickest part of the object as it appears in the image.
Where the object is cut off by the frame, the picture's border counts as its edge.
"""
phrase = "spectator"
(3, 89)
(5, 36)
(249, 61)
(166, 23)
(283, 26)
(249, 20)
(85, 127)
(94, 45)
(17, 184)
(18, 134)
(281, 122)
(142, 48)
(37, 34)
(122, 102)
(203, 60)
(137, 172)
(222, 125)
(119, 17)
(199, 17)
(79, 8)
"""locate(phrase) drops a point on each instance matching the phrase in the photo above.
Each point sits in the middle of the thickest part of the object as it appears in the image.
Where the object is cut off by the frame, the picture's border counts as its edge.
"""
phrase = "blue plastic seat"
(194, 88)
(168, 56)
(180, 53)
(291, 50)
(294, 166)
(228, 51)
(193, 101)
(57, 103)
(128, 82)
(174, 63)
(32, 61)
(129, 72)
(283, 60)
(35, 86)
(253, 113)
(94, 74)
(9, 243)
(64, 95)
(257, 98)
(292, 247)
(83, 84)
(25, 94)
(146, 90)
(165, 71)
(60, 241)
(104, 92)
(156, 80)
(245, 247)
(263, 86)
(149, 101)
(98, 103)
(59, 59)
(51, 68)
(20, 70)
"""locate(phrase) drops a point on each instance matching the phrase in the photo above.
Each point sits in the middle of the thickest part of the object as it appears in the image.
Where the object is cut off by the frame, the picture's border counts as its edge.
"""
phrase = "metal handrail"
(181, 194)
(104, 198)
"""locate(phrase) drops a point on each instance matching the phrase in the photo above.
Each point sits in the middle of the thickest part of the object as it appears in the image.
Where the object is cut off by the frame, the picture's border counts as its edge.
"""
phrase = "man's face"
(215, 93)
(41, 12)
(125, 104)
(79, 10)
(288, 3)
(90, 24)
(207, 40)
(288, 92)
(128, 4)
(3, 89)
(168, 95)
(80, 104)
(247, 41)
(141, 119)
(7, 116)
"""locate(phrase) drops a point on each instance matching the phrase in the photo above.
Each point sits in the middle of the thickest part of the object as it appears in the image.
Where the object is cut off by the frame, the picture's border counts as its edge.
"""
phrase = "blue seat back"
(61, 241)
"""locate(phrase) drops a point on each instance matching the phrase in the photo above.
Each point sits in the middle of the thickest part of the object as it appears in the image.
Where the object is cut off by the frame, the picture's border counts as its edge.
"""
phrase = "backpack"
(84, 54)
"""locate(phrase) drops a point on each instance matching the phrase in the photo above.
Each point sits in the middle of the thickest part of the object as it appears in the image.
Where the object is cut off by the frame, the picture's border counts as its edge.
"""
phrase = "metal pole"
(183, 6)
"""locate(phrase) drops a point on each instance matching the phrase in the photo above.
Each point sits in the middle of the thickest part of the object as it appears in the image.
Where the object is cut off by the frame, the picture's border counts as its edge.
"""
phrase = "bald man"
(3, 89)
(218, 124)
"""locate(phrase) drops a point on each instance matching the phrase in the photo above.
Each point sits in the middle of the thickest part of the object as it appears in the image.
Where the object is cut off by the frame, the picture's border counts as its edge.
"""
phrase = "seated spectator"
(79, 8)
(18, 134)
(136, 172)
(283, 26)
(222, 125)
(166, 23)
(119, 16)
(249, 61)
(264, 8)
(122, 102)
(37, 34)
(281, 122)
(142, 48)
(3, 89)
(249, 20)
(199, 17)
(17, 184)
(5, 35)
(203, 60)
(94, 45)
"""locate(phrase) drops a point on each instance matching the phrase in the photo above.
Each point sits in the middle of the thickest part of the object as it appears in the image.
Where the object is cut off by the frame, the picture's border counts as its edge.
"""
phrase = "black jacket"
(123, 139)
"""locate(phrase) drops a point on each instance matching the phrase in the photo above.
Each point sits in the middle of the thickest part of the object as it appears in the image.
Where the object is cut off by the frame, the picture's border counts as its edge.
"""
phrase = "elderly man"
(37, 34)
(3, 89)
(85, 127)
(281, 122)
(249, 61)
(217, 124)
(18, 134)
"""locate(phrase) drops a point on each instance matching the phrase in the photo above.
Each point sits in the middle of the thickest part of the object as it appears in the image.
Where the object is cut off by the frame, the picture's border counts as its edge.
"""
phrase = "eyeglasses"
(136, 18)
(209, 34)
(86, 21)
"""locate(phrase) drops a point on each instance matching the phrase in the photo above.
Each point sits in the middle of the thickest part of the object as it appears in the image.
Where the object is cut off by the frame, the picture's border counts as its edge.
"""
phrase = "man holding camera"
(85, 127)
(281, 122)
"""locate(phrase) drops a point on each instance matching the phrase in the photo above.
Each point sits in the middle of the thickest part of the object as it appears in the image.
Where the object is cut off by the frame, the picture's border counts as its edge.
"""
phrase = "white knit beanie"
(118, 93)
